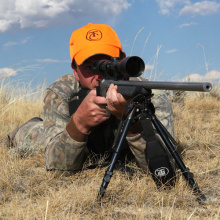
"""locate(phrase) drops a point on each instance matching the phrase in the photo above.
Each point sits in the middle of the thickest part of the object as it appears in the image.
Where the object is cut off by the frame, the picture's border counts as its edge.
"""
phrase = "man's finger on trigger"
(99, 100)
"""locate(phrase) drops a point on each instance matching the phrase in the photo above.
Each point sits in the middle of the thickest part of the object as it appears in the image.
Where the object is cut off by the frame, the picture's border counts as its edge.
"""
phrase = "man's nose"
(99, 76)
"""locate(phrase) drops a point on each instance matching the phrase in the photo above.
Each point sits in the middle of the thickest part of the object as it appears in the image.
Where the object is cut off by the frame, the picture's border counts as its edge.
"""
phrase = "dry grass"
(18, 103)
(27, 191)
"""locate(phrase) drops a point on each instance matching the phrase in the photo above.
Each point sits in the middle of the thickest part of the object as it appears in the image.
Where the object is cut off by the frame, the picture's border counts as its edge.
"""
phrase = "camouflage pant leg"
(163, 110)
(28, 139)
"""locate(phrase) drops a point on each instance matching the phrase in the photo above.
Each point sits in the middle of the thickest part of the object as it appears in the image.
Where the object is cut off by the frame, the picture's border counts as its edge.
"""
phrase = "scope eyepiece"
(117, 69)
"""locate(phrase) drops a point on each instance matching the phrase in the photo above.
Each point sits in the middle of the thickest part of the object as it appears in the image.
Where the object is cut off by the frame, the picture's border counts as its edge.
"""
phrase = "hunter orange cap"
(94, 39)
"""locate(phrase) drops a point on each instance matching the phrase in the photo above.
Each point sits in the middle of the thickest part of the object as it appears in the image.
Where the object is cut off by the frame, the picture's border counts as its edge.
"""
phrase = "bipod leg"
(121, 134)
(185, 171)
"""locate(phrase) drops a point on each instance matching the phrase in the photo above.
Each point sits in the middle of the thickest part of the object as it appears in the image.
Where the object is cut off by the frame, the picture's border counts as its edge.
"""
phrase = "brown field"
(28, 191)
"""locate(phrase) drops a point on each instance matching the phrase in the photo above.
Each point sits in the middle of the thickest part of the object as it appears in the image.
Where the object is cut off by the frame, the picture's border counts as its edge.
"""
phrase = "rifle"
(118, 72)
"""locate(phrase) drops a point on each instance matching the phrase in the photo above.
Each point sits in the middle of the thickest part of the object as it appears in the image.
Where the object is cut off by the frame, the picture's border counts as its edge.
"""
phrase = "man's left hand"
(116, 103)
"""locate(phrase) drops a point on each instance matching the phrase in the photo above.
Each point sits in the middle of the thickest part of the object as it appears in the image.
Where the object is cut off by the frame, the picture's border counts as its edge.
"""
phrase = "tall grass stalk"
(135, 40)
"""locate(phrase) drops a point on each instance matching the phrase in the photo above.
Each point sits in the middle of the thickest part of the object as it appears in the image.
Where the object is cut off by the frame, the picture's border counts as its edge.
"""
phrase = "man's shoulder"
(67, 80)
(65, 86)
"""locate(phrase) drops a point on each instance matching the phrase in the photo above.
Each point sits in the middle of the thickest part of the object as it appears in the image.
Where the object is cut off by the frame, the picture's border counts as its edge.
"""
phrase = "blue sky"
(175, 38)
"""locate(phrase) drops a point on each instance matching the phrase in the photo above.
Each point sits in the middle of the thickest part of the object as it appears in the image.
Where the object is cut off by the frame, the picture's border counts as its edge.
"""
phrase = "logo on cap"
(94, 35)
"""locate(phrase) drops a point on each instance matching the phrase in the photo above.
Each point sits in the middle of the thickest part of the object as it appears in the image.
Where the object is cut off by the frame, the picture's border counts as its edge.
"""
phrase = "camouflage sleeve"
(163, 110)
(61, 151)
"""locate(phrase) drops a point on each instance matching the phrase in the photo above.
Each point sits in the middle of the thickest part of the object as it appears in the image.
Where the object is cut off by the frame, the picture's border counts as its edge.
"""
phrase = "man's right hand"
(91, 112)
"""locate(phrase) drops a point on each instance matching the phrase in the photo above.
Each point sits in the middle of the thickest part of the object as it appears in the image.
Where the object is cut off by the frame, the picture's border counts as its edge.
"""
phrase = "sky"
(177, 39)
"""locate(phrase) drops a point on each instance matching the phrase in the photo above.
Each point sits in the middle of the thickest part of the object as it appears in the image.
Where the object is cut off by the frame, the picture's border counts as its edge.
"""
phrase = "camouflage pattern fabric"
(163, 110)
(28, 139)
(61, 151)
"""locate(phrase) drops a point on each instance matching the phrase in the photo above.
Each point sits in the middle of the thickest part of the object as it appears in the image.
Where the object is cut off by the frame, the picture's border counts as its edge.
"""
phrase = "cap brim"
(83, 54)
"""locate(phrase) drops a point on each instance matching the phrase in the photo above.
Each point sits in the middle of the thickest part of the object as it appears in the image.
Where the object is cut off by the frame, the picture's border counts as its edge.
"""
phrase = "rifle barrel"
(164, 85)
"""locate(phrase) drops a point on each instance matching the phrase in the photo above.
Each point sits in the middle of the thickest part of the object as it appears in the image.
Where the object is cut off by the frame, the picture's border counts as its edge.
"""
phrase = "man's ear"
(76, 74)
(74, 67)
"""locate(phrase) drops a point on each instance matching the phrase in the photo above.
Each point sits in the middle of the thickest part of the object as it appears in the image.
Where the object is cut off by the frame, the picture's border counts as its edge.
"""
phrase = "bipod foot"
(196, 191)
(100, 195)
(201, 198)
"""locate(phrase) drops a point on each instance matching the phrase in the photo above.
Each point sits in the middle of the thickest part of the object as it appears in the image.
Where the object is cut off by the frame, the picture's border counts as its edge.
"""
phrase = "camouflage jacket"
(64, 153)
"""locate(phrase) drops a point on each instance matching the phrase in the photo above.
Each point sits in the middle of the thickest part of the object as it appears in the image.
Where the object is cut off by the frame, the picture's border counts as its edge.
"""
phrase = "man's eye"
(89, 67)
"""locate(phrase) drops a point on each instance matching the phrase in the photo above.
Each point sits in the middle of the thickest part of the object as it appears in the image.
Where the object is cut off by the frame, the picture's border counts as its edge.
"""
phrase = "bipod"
(145, 109)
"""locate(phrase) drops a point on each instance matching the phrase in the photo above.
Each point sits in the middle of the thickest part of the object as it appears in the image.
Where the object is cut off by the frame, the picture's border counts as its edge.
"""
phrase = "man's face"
(85, 75)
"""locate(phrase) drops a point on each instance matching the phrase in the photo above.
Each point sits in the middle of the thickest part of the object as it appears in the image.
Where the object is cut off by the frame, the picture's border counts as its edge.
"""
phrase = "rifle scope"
(128, 67)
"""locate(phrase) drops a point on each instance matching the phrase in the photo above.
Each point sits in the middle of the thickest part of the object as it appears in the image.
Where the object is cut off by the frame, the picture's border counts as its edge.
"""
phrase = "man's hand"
(91, 112)
(115, 101)
(116, 104)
